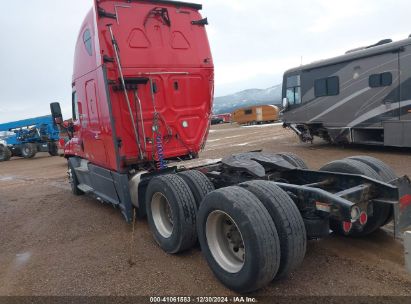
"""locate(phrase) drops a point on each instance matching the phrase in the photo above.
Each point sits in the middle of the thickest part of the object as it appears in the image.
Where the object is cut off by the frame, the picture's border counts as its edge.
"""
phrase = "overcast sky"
(253, 43)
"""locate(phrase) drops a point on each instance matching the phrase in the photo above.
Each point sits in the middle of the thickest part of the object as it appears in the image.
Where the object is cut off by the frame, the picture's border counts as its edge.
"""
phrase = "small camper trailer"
(361, 97)
(256, 115)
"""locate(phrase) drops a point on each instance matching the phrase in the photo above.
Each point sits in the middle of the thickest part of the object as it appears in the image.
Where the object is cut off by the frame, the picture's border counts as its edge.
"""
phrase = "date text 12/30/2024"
(239, 299)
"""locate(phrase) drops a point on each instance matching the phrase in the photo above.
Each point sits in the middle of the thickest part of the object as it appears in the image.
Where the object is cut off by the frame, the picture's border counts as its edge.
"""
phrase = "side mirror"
(58, 121)
(286, 103)
(56, 112)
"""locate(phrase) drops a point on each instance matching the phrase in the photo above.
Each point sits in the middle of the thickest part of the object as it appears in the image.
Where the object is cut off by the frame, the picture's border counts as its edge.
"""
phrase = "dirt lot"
(53, 243)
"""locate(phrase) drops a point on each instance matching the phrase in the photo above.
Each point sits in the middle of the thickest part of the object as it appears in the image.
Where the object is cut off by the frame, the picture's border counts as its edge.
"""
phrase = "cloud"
(260, 39)
(38, 40)
(329, 14)
(253, 43)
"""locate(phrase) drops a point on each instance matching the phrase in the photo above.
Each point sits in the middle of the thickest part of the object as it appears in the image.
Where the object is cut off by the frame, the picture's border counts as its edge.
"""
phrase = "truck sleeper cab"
(361, 97)
(167, 69)
(142, 97)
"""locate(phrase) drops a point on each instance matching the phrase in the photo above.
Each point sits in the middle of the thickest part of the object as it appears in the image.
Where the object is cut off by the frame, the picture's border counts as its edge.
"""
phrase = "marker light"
(347, 227)
(363, 218)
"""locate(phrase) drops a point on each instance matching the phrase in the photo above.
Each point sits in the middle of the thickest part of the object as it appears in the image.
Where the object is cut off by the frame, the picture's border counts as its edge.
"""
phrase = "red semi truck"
(142, 96)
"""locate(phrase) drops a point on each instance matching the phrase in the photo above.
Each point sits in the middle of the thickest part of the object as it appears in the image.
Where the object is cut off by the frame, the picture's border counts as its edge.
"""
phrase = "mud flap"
(407, 248)
(402, 210)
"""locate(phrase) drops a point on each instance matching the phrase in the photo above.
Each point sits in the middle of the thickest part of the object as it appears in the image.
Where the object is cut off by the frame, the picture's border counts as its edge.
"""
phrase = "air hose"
(161, 164)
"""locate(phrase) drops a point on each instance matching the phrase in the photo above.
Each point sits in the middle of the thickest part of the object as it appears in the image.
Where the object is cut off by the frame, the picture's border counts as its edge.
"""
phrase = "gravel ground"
(53, 243)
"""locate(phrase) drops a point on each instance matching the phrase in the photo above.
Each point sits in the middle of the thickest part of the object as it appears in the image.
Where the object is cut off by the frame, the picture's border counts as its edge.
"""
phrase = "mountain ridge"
(247, 98)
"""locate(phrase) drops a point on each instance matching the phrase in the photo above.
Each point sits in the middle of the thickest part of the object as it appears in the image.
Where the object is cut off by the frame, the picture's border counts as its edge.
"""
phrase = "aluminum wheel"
(162, 216)
(225, 241)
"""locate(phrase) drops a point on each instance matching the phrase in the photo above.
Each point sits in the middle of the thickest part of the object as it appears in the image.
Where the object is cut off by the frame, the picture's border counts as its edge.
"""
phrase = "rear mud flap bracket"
(402, 210)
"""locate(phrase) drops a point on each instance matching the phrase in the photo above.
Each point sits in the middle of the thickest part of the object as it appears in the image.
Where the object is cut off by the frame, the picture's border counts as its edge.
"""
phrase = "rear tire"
(28, 150)
(380, 211)
(351, 166)
(171, 213)
(53, 149)
(238, 239)
(5, 153)
(199, 184)
(288, 221)
(293, 159)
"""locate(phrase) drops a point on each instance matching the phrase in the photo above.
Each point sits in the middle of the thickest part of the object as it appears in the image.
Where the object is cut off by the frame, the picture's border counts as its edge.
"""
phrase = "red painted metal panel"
(158, 41)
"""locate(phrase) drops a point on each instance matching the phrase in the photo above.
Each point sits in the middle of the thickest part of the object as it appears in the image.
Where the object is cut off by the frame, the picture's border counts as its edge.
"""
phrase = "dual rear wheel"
(252, 233)
(249, 234)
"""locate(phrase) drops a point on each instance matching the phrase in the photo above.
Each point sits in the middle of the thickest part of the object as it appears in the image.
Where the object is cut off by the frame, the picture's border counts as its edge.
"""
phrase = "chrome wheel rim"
(162, 216)
(225, 241)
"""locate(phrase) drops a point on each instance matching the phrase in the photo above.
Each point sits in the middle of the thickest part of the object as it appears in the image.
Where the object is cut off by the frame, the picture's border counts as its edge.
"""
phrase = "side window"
(297, 95)
(248, 112)
(386, 79)
(320, 87)
(374, 81)
(291, 95)
(327, 86)
(87, 42)
(75, 106)
(333, 86)
(380, 80)
(294, 90)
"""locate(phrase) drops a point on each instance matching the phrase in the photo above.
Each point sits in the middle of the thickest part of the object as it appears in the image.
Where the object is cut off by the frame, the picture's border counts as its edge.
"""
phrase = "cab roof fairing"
(159, 2)
(90, 21)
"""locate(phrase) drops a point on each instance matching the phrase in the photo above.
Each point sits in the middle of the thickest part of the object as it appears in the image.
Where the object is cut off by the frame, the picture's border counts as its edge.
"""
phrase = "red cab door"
(93, 143)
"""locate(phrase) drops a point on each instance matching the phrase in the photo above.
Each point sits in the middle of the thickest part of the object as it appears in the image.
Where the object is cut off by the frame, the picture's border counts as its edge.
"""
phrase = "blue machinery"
(27, 137)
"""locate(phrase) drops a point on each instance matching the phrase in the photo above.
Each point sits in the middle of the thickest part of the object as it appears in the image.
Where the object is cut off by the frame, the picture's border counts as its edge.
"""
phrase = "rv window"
(290, 95)
(294, 95)
(386, 79)
(293, 81)
(87, 42)
(380, 80)
(375, 81)
(248, 112)
(75, 106)
(327, 87)
(333, 86)
(297, 95)
(294, 90)
(320, 87)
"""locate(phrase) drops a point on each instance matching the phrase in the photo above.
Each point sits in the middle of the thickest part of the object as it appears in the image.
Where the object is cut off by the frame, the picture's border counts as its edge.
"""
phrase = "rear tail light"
(363, 218)
(405, 201)
(347, 227)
